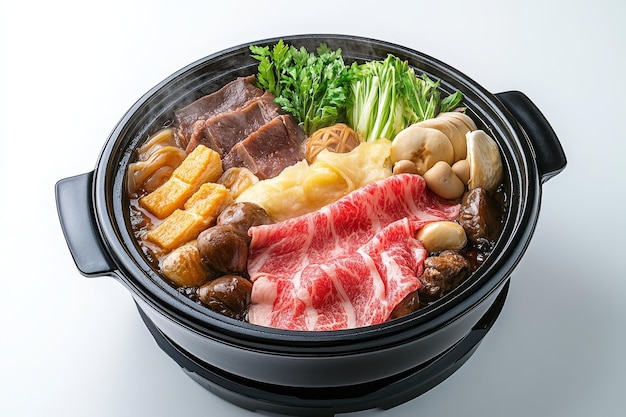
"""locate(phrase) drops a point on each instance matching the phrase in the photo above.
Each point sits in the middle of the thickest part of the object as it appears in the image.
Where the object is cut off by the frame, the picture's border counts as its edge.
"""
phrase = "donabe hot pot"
(309, 373)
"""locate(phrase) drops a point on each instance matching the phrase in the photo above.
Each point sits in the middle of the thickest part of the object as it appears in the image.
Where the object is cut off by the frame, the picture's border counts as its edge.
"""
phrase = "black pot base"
(284, 400)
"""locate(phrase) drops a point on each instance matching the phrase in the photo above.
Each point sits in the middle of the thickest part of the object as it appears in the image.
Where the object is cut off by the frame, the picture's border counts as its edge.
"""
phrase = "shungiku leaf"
(312, 87)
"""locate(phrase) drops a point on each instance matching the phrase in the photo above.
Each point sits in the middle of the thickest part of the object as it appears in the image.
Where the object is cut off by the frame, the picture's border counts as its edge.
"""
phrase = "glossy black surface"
(328, 401)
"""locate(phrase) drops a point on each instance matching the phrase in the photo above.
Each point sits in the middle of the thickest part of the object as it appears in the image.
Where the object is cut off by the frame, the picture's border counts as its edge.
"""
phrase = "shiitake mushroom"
(228, 295)
(224, 247)
(480, 215)
(223, 250)
(242, 216)
(409, 304)
(442, 273)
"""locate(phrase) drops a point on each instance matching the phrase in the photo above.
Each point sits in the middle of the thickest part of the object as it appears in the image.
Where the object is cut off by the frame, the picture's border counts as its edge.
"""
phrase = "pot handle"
(75, 209)
(548, 151)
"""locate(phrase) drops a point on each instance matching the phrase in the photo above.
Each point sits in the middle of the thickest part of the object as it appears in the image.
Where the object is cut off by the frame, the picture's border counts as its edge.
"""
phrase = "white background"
(72, 346)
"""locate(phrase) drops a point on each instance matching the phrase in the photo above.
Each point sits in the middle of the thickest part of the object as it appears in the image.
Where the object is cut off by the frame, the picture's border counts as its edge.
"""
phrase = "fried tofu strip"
(202, 165)
(200, 211)
(183, 266)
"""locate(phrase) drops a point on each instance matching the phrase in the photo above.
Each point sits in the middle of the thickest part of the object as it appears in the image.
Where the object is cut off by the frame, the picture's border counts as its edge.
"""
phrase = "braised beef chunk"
(233, 95)
(480, 216)
(295, 132)
(223, 131)
(442, 274)
(244, 126)
(266, 152)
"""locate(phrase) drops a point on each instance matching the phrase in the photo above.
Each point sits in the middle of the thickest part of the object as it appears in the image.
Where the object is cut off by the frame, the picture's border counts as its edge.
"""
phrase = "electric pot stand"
(326, 402)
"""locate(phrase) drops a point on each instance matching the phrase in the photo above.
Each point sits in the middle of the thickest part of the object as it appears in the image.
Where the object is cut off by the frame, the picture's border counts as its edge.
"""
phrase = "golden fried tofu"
(179, 227)
(169, 196)
(200, 166)
(201, 211)
(184, 267)
(209, 200)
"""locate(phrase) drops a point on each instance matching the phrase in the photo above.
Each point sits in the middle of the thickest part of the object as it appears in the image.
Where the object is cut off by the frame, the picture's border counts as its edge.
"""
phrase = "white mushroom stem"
(454, 129)
(442, 235)
(441, 180)
(462, 170)
(404, 167)
(422, 145)
(462, 117)
(485, 162)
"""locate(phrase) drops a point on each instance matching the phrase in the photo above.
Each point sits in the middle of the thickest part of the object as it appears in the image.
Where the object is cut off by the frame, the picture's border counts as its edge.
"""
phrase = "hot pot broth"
(211, 207)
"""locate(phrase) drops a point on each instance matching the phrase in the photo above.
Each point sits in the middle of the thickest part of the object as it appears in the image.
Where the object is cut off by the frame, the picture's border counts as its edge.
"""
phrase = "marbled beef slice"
(346, 265)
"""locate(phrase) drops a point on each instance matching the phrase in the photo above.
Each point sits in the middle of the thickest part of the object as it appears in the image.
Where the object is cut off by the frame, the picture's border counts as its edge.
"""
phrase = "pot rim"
(136, 273)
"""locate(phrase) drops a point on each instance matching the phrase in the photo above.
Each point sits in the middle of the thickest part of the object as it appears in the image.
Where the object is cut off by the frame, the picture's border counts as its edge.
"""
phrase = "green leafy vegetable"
(312, 87)
(377, 98)
(386, 96)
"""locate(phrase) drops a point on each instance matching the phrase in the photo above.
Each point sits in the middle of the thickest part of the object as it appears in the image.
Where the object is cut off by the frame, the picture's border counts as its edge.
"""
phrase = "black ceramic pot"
(309, 373)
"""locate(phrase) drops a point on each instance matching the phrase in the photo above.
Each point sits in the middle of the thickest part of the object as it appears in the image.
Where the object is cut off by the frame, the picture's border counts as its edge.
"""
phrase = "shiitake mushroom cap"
(228, 295)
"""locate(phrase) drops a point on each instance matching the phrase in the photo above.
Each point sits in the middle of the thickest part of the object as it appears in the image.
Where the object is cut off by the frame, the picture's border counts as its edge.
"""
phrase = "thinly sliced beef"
(224, 130)
(270, 149)
(346, 265)
(233, 95)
